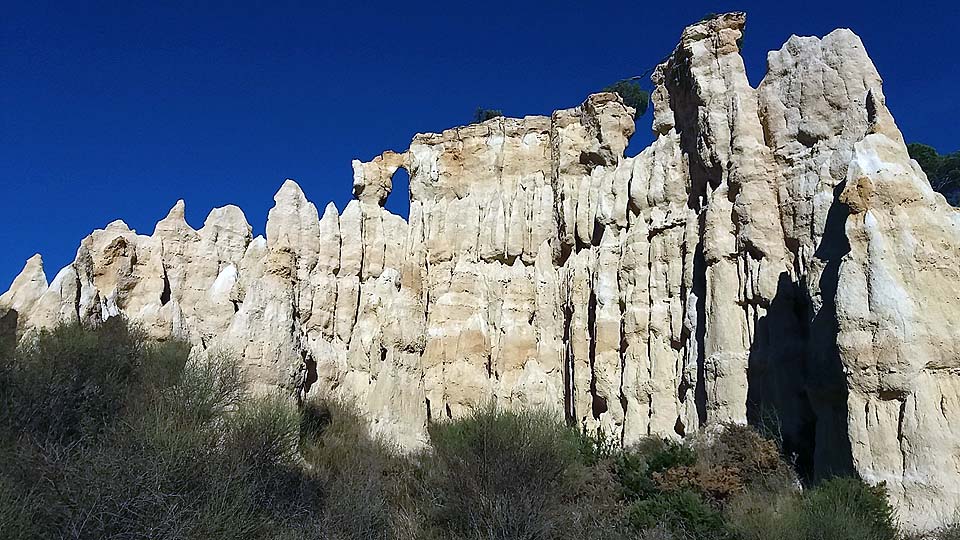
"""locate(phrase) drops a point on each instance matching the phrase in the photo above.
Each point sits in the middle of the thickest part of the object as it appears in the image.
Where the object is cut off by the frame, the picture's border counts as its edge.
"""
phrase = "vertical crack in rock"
(598, 404)
(569, 386)
(700, 293)
(901, 413)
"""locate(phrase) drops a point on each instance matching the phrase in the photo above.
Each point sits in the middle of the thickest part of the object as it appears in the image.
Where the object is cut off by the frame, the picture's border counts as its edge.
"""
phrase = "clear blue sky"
(117, 109)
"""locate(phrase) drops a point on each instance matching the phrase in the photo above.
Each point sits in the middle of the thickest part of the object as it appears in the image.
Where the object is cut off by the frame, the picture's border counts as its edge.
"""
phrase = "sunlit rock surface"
(773, 256)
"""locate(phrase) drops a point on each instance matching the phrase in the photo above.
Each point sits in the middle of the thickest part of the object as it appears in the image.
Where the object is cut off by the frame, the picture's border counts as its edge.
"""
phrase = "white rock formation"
(774, 253)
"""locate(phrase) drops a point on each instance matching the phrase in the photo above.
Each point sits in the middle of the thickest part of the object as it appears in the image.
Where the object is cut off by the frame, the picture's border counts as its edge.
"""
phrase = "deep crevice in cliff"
(598, 403)
(777, 401)
(700, 332)
(569, 405)
(165, 293)
(825, 379)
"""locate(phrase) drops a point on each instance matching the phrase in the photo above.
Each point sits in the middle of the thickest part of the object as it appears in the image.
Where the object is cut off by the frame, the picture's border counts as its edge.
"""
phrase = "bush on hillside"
(847, 508)
(69, 383)
(637, 466)
(107, 435)
(755, 461)
(363, 481)
(837, 509)
(683, 513)
(502, 474)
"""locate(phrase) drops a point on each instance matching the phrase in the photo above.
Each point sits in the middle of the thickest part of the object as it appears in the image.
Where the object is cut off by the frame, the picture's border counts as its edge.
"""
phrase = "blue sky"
(116, 110)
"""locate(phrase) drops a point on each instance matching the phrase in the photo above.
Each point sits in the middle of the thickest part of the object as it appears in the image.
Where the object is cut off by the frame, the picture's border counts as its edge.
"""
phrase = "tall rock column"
(733, 184)
(897, 298)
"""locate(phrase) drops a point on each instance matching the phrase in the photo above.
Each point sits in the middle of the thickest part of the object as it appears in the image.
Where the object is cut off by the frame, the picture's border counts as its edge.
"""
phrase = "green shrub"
(595, 448)
(632, 95)
(205, 390)
(482, 114)
(363, 481)
(16, 512)
(761, 515)
(69, 382)
(261, 444)
(683, 513)
(943, 171)
(847, 508)
(838, 509)
(502, 474)
(315, 417)
(637, 465)
(106, 435)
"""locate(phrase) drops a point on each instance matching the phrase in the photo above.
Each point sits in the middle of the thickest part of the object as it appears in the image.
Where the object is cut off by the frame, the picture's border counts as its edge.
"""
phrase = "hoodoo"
(773, 255)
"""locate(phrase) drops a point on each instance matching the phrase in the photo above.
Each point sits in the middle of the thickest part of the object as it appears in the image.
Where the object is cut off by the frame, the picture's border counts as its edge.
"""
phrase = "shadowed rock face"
(774, 255)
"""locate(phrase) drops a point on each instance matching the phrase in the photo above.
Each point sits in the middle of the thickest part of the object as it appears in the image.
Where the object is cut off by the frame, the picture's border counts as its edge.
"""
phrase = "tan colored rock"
(896, 298)
(25, 291)
(373, 181)
(774, 253)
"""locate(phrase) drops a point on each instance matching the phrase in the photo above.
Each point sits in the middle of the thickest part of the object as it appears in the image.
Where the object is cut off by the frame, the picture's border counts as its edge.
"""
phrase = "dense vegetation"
(104, 435)
(943, 171)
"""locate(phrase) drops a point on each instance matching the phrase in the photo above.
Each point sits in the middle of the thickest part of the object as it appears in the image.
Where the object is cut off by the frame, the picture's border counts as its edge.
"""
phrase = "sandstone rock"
(774, 253)
(28, 287)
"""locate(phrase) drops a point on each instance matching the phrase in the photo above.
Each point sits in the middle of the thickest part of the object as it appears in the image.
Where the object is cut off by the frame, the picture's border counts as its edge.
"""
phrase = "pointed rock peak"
(118, 225)
(27, 286)
(228, 216)
(330, 212)
(32, 271)
(352, 210)
(290, 190)
(176, 215)
(330, 223)
(177, 211)
(175, 220)
(843, 35)
(293, 219)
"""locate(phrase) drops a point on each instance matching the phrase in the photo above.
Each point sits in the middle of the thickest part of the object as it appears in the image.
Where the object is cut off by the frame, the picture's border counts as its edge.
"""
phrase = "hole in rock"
(599, 406)
(165, 293)
(398, 201)
(679, 427)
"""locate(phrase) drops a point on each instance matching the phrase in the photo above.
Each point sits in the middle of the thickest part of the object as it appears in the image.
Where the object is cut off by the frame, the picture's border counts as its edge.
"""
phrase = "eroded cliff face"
(774, 255)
